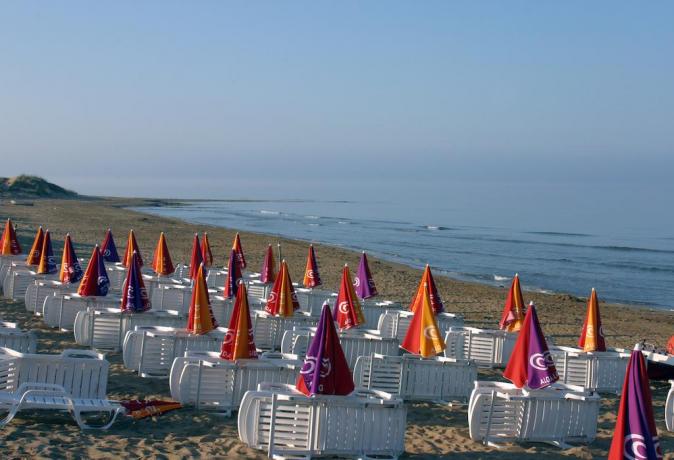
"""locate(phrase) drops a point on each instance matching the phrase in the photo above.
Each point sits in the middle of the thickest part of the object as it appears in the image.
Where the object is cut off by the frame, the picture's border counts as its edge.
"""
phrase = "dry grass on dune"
(433, 431)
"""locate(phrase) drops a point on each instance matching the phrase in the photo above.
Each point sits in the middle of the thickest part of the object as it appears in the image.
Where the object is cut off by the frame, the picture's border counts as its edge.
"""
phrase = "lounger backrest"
(16, 339)
(82, 374)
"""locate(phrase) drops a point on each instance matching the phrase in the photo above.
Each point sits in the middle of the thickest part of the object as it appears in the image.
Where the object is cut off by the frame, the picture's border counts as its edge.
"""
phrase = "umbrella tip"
(346, 265)
(517, 275)
(531, 303)
(638, 346)
(363, 252)
(68, 234)
(593, 289)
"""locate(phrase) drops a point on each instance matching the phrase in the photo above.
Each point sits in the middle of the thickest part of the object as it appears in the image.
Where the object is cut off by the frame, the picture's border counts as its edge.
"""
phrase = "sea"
(561, 242)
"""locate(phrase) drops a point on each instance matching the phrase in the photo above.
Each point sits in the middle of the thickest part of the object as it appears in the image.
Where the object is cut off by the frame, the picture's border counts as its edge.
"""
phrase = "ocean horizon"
(632, 267)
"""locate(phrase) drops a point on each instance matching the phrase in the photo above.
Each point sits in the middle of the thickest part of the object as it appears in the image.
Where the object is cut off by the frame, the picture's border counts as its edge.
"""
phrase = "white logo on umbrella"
(310, 363)
(589, 331)
(229, 337)
(431, 332)
(635, 447)
(344, 307)
(310, 274)
(272, 297)
(356, 281)
(541, 361)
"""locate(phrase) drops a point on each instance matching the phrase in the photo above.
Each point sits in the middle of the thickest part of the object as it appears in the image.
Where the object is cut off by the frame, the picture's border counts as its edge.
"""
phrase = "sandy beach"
(433, 431)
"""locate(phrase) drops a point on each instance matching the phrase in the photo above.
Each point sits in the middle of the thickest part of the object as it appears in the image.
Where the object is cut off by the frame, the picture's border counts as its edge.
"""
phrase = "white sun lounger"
(601, 371)
(171, 297)
(39, 290)
(105, 329)
(311, 300)
(59, 311)
(258, 292)
(16, 339)
(17, 280)
(355, 343)
(500, 412)
(75, 380)
(268, 330)
(487, 347)
(395, 323)
(216, 278)
(116, 275)
(669, 408)
(150, 350)
(373, 309)
(9, 265)
(287, 424)
(205, 380)
(414, 378)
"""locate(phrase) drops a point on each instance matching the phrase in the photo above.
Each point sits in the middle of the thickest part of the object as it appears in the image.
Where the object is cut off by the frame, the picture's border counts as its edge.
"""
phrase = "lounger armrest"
(277, 387)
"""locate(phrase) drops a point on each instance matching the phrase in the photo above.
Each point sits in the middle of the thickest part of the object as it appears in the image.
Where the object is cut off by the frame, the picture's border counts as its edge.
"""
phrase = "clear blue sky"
(220, 99)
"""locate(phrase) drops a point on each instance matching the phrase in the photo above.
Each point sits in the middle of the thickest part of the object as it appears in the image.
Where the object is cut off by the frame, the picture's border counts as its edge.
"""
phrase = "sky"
(317, 99)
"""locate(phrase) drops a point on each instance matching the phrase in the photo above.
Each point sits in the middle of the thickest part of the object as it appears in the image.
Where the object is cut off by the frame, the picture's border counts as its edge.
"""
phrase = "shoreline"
(433, 430)
(436, 271)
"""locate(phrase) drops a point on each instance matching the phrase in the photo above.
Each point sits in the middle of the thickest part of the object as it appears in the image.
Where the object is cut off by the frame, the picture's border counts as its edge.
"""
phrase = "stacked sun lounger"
(417, 379)
(205, 380)
(282, 421)
(74, 381)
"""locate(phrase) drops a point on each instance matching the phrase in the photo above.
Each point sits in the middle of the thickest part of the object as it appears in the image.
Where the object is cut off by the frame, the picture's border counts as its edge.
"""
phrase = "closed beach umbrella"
(200, 319)
(95, 281)
(134, 294)
(312, 277)
(513, 311)
(241, 259)
(423, 336)
(635, 435)
(436, 302)
(365, 287)
(108, 248)
(35, 250)
(325, 370)
(197, 257)
(282, 298)
(531, 364)
(71, 270)
(592, 336)
(233, 276)
(161, 260)
(347, 312)
(131, 246)
(47, 264)
(9, 243)
(268, 273)
(206, 253)
(239, 342)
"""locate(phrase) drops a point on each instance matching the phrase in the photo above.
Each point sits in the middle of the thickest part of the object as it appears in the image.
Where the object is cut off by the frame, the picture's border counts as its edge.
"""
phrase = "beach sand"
(433, 431)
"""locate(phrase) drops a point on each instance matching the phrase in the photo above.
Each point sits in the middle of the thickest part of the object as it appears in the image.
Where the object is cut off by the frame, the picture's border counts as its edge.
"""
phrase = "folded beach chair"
(258, 292)
(105, 329)
(373, 309)
(414, 378)
(9, 262)
(17, 280)
(669, 408)
(311, 300)
(287, 424)
(171, 297)
(487, 347)
(116, 275)
(39, 290)
(74, 381)
(16, 339)
(355, 343)
(268, 330)
(150, 350)
(394, 323)
(560, 414)
(205, 380)
(59, 311)
(601, 371)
